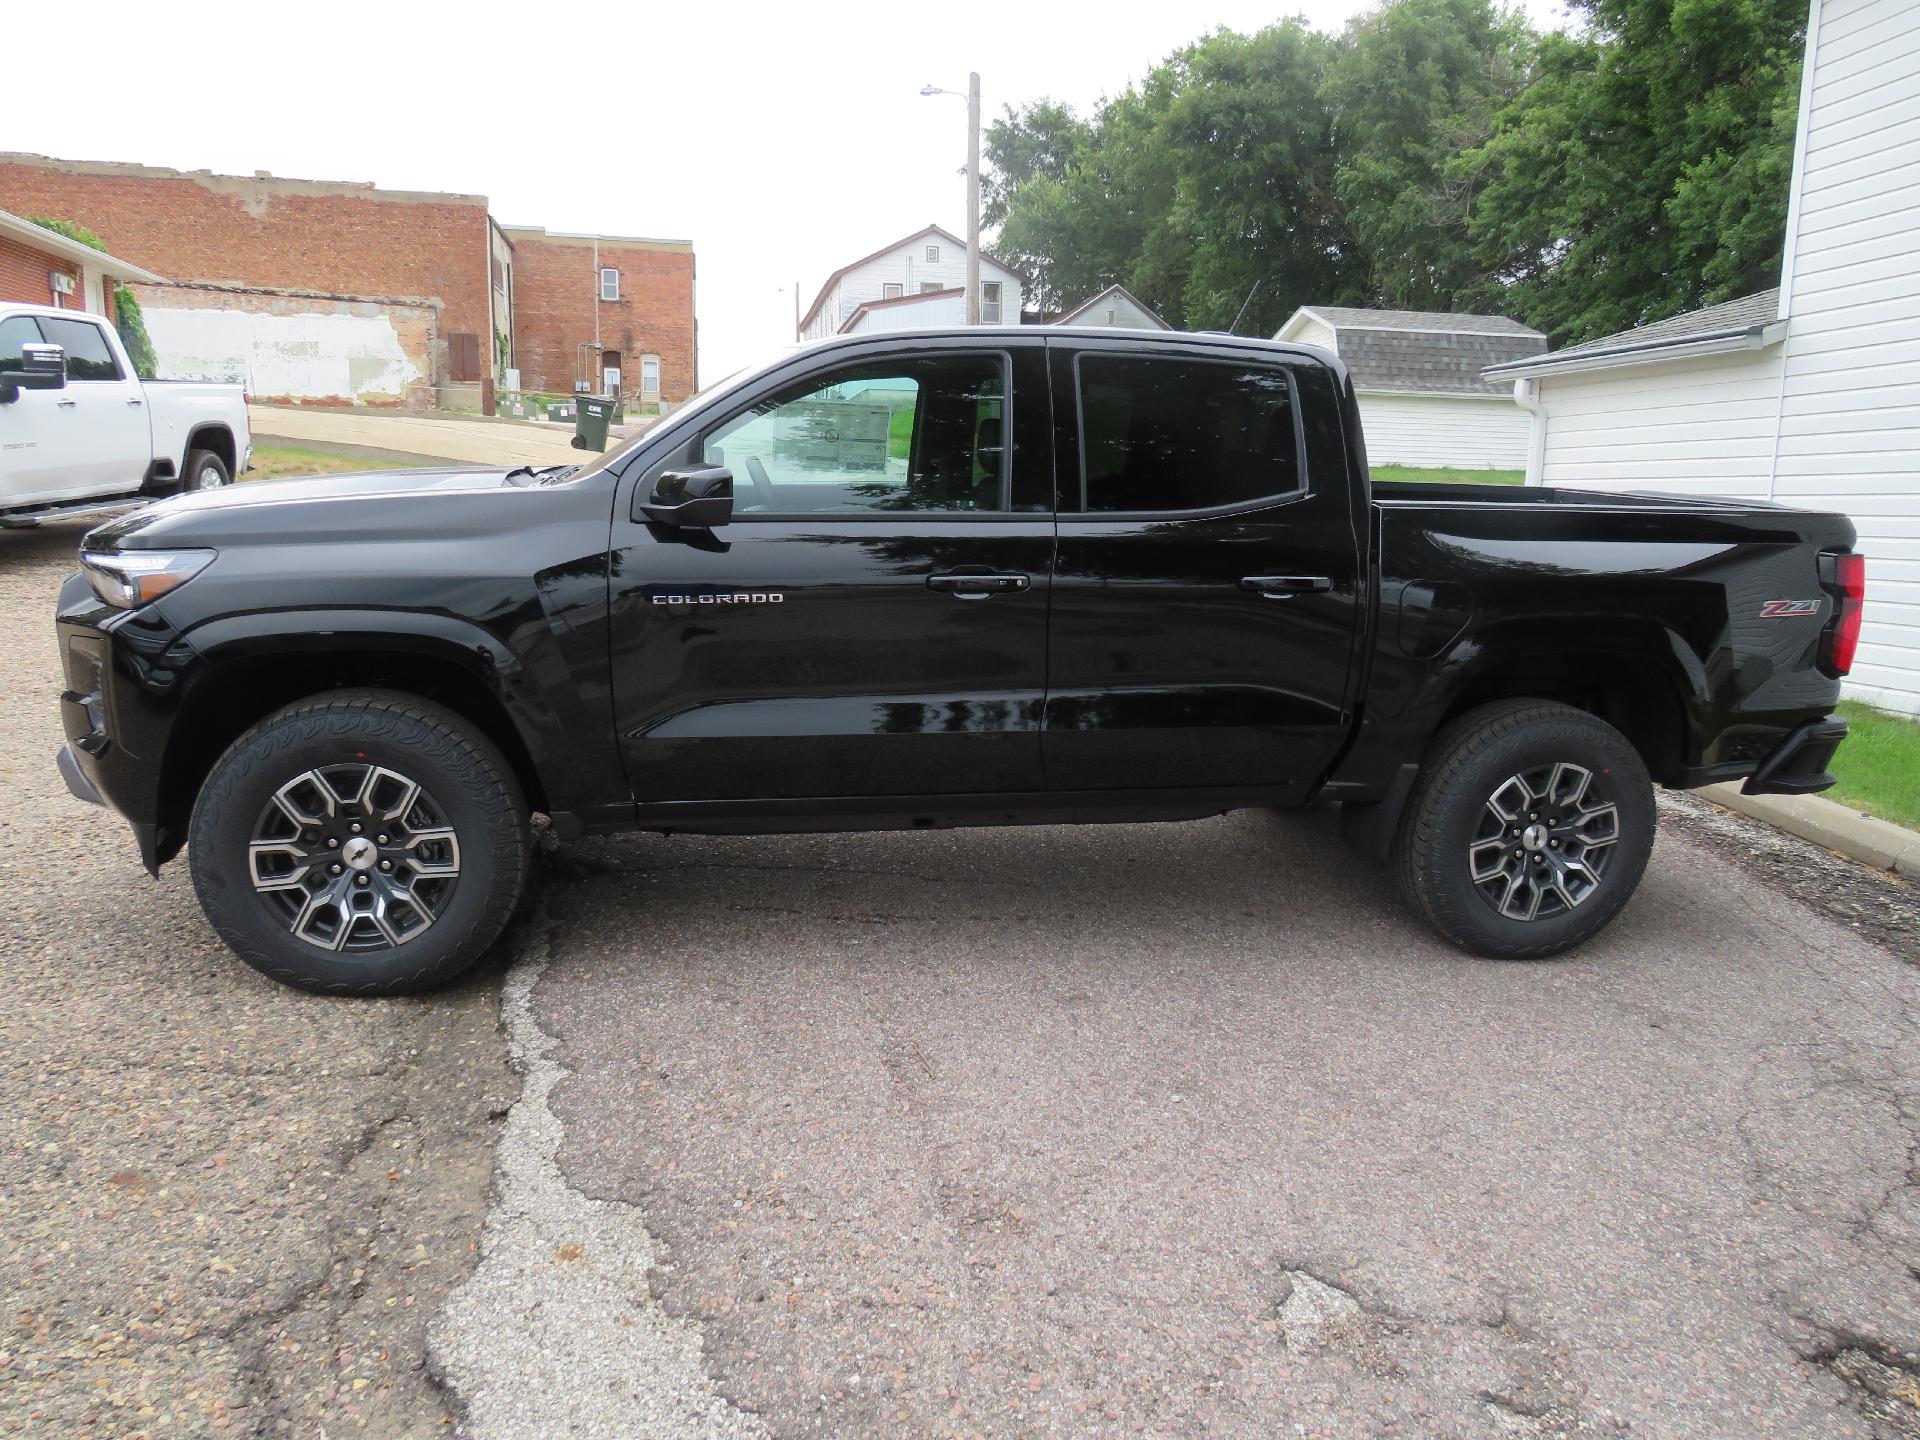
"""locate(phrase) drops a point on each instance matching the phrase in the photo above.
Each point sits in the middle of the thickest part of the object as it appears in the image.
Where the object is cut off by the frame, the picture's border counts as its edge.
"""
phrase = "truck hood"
(316, 509)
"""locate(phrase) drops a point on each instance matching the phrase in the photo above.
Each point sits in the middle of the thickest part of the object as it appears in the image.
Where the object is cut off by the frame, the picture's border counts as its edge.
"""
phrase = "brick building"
(632, 298)
(338, 292)
(38, 267)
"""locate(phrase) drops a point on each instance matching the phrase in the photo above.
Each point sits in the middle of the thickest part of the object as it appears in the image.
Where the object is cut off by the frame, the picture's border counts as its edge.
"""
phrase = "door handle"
(977, 586)
(1285, 587)
(133, 402)
(66, 404)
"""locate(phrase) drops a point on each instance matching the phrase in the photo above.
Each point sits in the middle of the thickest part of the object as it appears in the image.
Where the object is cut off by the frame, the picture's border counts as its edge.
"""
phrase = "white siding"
(1849, 426)
(1700, 427)
(1117, 311)
(935, 310)
(908, 267)
(1829, 418)
(1312, 331)
(1464, 431)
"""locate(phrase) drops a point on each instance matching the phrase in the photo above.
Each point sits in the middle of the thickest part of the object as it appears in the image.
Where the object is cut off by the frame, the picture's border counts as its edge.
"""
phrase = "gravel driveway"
(225, 1208)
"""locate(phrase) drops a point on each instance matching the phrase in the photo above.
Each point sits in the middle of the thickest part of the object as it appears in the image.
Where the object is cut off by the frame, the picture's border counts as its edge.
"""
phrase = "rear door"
(1208, 580)
(873, 622)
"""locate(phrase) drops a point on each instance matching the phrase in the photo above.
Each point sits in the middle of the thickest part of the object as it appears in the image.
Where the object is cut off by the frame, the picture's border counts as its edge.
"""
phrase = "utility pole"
(973, 197)
(973, 189)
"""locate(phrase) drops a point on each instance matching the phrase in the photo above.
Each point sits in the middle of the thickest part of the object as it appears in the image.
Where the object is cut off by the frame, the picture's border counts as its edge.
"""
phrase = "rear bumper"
(1798, 764)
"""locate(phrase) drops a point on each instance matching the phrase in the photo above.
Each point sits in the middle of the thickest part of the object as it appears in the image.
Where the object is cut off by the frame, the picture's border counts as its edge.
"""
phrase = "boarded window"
(463, 356)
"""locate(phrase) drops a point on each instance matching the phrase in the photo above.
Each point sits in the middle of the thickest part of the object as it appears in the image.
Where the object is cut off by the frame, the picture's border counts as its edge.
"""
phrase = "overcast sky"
(782, 139)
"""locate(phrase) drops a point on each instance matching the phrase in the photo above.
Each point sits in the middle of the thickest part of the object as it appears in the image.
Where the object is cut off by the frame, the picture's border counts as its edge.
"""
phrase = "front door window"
(899, 436)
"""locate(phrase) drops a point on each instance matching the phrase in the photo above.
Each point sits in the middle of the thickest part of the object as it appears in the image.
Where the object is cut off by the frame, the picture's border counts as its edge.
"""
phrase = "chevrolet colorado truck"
(973, 577)
(81, 433)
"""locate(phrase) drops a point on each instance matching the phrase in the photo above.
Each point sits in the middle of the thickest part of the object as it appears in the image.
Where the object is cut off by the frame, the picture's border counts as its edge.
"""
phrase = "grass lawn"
(277, 462)
(1879, 765)
(1448, 477)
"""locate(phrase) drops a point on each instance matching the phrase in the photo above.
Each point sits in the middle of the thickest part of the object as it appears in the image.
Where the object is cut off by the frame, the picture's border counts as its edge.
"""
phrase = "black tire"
(471, 791)
(204, 471)
(1454, 816)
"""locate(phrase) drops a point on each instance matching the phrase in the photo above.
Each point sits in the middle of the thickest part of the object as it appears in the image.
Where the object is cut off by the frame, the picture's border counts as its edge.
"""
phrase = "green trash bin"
(591, 416)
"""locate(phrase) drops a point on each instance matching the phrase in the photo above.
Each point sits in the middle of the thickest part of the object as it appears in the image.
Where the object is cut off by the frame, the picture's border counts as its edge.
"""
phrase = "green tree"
(1214, 173)
(1644, 170)
(127, 317)
(1413, 84)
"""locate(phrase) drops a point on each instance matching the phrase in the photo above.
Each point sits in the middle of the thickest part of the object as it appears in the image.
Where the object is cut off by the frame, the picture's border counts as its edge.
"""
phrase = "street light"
(973, 189)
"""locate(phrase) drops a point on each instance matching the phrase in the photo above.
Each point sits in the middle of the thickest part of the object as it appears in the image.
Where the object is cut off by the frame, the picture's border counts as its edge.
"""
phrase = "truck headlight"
(128, 579)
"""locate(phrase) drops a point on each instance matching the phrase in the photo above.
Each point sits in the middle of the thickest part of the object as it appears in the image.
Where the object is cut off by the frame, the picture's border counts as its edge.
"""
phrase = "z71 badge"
(1787, 609)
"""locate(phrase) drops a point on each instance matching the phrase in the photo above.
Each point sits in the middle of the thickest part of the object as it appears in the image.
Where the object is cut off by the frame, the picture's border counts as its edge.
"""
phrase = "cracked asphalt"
(1139, 1130)
(1047, 1131)
(226, 1209)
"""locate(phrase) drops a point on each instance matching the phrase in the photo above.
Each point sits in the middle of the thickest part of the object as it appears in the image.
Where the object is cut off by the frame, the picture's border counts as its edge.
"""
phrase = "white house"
(923, 264)
(1809, 394)
(1114, 306)
(1417, 375)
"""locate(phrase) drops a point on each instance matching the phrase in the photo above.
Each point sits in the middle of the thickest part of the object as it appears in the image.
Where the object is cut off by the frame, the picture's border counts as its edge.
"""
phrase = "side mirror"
(696, 498)
(42, 367)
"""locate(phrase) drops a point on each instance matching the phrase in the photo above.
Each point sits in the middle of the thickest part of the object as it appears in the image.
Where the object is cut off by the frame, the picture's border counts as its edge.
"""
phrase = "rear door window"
(89, 357)
(1168, 433)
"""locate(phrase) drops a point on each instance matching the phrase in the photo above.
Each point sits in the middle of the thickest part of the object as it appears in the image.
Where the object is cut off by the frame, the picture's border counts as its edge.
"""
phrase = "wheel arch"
(1635, 675)
(219, 439)
(252, 671)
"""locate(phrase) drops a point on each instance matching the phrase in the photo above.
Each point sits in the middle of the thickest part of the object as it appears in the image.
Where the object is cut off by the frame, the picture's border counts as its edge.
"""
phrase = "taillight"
(1844, 575)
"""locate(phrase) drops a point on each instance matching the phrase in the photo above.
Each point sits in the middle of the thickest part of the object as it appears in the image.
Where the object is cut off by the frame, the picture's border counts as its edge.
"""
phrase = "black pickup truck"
(974, 577)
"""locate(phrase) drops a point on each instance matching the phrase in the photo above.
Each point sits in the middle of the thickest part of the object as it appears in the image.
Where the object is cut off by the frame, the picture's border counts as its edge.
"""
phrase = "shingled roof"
(1744, 319)
(1420, 352)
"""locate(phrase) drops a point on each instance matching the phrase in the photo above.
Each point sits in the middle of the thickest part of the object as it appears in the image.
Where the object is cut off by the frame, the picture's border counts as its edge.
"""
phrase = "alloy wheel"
(354, 857)
(1543, 841)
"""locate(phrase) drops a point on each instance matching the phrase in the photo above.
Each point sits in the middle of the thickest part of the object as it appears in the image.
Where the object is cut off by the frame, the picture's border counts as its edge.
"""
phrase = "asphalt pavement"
(1138, 1130)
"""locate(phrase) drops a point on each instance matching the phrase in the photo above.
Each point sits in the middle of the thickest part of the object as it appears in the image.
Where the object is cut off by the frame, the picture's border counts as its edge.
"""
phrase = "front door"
(873, 621)
(100, 419)
(1207, 588)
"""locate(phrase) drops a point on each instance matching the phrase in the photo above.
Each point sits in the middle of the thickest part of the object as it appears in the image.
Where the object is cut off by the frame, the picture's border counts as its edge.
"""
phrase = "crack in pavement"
(556, 1331)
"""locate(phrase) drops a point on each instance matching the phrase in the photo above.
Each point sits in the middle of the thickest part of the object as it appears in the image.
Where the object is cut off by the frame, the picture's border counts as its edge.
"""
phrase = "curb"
(1871, 841)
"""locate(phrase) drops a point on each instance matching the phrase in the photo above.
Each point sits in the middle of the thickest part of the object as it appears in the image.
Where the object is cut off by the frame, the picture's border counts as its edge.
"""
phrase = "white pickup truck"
(81, 433)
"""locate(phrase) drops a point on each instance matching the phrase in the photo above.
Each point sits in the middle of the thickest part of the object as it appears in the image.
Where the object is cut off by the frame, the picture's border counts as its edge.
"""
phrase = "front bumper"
(78, 785)
(1798, 764)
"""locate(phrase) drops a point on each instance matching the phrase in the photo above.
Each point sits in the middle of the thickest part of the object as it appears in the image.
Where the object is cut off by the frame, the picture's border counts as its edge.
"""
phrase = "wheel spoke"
(444, 868)
(1565, 774)
(291, 808)
(293, 879)
(1488, 859)
(1518, 796)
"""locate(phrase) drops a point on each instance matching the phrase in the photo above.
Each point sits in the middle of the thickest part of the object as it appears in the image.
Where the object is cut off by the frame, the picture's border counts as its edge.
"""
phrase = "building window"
(990, 302)
(927, 287)
(933, 254)
(609, 283)
(650, 375)
(889, 292)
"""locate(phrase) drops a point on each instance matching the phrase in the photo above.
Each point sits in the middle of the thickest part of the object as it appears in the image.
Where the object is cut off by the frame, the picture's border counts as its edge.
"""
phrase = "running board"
(27, 519)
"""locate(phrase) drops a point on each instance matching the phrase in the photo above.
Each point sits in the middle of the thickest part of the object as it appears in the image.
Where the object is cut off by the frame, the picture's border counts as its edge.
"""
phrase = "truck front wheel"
(362, 843)
(1529, 828)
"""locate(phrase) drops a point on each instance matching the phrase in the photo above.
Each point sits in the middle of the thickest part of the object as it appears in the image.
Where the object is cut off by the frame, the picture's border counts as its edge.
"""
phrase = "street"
(1141, 1130)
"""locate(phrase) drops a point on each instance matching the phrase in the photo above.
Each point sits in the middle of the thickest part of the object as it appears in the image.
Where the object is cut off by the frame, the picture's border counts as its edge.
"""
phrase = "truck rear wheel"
(205, 471)
(1528, 830)
(363, 843)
